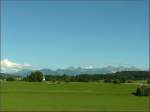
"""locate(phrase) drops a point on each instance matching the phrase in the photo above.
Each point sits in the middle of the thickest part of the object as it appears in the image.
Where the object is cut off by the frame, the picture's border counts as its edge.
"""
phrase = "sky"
(59, 34)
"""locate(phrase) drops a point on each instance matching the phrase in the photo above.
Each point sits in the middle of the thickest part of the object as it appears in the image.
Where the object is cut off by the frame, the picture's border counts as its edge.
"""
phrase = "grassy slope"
(72, 96)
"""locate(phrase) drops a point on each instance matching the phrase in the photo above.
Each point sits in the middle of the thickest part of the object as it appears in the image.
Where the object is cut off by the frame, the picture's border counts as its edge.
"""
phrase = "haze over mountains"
(25, 69)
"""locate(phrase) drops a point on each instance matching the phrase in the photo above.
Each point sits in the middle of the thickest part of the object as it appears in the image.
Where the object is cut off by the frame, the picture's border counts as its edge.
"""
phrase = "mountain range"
(79, 70)
(14, 68)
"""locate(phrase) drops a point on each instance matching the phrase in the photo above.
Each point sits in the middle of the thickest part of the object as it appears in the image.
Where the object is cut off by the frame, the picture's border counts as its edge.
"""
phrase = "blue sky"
(61, 34)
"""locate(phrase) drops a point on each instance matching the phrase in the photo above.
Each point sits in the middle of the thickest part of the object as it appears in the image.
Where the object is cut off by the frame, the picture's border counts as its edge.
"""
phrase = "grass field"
(71, 97)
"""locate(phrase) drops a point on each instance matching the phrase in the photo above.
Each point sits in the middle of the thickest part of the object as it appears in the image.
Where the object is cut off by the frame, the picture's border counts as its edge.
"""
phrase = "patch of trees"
(36, 76)
(55, 78)
(133, 75)
(143, 90)
(5, 76)
(10, 79)
(119, 77)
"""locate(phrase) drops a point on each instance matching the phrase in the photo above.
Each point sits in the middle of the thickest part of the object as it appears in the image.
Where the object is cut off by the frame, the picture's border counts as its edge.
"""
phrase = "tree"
(143, 91)
(36, 76)
(138, 91)
(116, 81)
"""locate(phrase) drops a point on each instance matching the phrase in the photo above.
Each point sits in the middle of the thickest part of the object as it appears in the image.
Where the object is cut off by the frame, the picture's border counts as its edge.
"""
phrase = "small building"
(43, 78)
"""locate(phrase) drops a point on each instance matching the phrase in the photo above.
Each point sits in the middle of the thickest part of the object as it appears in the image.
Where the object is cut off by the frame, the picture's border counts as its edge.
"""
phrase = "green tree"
(116, 81)
(143, 91)
(138, 91)
(36, 76)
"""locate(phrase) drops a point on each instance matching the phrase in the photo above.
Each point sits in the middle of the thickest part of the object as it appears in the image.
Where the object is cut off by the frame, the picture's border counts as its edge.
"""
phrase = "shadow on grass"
(133, 93)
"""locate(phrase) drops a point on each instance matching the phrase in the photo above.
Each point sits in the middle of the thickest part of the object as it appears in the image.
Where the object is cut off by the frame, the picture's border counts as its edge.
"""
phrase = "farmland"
(73, 96)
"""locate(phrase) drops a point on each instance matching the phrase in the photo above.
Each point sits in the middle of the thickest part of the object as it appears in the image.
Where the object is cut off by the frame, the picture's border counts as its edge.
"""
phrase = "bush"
(148, 81)
(116, 81)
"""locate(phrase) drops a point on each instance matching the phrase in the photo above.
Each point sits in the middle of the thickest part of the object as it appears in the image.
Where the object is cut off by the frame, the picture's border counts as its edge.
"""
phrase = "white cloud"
(9, 66)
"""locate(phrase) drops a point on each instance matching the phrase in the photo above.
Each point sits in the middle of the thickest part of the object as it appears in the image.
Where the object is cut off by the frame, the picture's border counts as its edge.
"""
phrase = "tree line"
(113, 77)
(118, 77)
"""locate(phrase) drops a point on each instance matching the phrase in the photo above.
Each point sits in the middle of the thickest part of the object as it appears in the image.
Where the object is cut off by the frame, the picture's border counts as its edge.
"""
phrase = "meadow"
(77, 96)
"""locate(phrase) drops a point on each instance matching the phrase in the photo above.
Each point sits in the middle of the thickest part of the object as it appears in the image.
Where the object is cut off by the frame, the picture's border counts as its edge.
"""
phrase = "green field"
(71, 97)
